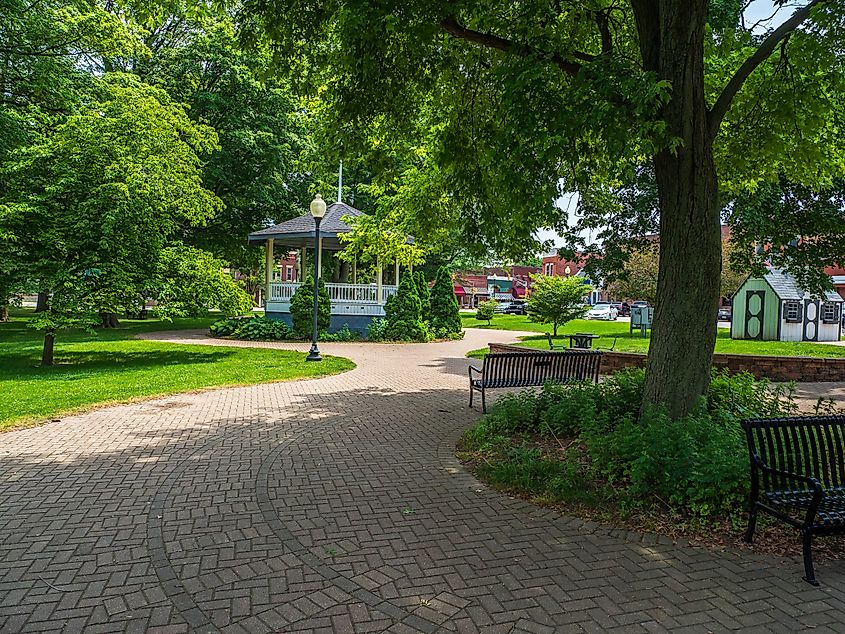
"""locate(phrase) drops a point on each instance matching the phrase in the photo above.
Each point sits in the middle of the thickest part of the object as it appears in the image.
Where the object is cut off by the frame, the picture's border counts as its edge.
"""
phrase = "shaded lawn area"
(111, 367)
(632, 342)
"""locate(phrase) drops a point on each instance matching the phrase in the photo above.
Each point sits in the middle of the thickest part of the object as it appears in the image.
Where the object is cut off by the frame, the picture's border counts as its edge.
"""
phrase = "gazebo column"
(355, 269)
(268, 270)
(396, 272)
(303, 252)
(379, 294)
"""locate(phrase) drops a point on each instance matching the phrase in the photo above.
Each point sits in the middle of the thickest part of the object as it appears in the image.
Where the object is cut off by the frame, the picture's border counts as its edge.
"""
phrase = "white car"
(602, 311)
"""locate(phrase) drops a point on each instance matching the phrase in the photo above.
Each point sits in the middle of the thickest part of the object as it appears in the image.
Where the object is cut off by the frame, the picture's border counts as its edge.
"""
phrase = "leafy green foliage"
(343, 334)
(189, 282)
(556, 300)
(424, 293)
(252, 329)
(403, 313)
(697, 465)
(445, 315)
(376, 329)
(302, 308)
(486, 310)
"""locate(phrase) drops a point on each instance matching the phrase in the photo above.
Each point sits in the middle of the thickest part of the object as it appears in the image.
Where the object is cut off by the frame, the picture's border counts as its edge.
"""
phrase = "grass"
(632, 342)
(113, 367)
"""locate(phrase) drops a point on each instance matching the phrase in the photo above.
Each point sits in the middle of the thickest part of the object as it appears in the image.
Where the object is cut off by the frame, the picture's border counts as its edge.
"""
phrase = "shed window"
(792, 310)
(830, 312)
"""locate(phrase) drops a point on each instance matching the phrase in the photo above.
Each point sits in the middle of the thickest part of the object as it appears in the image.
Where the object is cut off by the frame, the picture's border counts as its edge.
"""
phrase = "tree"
(486, 310)
(302, 308)
(189, 282)
(524, 102)
(556, 300)
(403, 313)
(94, 204)
(445, 314)
(638, 278)
(424, 293)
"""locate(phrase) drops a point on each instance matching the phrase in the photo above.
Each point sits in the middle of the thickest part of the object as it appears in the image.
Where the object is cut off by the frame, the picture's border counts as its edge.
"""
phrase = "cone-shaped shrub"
(424, 295)
(402, 313)
(302, 308)
(445, 318)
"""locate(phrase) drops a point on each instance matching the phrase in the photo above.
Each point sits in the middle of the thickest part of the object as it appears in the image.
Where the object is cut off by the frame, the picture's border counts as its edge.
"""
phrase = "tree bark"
(4, 313)
(42, 301)
(109, 320)
(684, 330)
(47, 352)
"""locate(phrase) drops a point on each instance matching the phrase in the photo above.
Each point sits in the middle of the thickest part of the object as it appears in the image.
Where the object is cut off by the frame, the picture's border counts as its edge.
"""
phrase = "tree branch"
(723, 103)
(488, 40)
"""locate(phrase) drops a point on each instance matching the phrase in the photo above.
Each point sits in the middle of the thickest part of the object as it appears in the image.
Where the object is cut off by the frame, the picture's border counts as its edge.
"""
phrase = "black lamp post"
(318, 210)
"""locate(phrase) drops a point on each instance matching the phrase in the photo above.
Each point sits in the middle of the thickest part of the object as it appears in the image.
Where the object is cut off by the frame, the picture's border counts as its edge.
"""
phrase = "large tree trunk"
(47, 351)
(42, 301)
(684, 332)
(4, 312)
(109, 320)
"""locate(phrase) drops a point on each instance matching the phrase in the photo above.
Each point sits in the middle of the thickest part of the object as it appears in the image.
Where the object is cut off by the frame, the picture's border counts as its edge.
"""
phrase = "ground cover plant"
(617, 335)
(111, 366)
(585, 447)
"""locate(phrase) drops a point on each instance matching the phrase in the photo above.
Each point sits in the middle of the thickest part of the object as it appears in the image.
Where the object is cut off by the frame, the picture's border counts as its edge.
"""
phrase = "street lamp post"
(318, 210)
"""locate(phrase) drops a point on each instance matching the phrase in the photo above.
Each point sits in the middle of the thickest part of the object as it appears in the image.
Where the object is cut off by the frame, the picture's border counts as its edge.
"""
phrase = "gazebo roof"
(299, 232)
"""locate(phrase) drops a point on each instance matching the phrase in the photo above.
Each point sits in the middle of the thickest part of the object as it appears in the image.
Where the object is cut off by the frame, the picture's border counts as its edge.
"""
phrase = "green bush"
(251, 328)
(375, 330)
(445, 316)
(697, 465)
(302, 308)
(486, 310)
(403, 313)
(344, 334)
(424, 293)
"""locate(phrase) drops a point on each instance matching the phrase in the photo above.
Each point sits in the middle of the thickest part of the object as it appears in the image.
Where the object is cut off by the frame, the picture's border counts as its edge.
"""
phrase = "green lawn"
(628, 342)
(111, 367)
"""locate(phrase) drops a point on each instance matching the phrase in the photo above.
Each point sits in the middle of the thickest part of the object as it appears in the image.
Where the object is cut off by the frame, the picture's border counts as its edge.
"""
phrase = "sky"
(769, 17)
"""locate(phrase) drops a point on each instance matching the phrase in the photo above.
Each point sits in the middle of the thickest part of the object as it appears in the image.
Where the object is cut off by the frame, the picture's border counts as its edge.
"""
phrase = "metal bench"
(798, 475)
(531, 369)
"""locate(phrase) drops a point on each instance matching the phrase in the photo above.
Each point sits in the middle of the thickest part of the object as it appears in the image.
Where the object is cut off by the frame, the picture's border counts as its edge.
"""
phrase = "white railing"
(282, 292)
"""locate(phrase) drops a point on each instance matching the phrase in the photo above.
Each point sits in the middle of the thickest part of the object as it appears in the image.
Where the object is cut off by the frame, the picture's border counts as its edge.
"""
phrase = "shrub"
(375, 330)
(556, 300)
(251, 328)
(424, 293)
(445, 316)
(486, 310)
(344, 334)
(697, 465)
(402, 312)
(302, 308)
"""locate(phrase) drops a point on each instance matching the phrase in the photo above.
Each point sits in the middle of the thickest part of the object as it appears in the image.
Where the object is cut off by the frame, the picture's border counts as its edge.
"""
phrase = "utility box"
(641, 317)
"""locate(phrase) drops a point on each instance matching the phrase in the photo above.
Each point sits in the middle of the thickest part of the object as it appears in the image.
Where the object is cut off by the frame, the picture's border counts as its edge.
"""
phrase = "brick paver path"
(337, 505)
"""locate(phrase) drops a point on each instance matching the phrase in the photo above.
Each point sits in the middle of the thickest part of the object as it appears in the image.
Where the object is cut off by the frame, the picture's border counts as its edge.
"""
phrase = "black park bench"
(531, 369)
(798, 475)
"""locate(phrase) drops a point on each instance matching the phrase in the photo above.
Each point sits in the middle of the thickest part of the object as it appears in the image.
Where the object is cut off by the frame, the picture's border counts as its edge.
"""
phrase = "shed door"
(755, 302)
(812, 320)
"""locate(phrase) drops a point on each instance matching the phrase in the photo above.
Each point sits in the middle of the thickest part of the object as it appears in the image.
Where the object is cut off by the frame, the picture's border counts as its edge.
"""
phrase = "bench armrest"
(815, 485)
(472, 369)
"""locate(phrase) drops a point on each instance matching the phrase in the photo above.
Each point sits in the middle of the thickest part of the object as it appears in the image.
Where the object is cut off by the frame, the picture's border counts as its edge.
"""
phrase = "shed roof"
(786, 286)
(299, 231)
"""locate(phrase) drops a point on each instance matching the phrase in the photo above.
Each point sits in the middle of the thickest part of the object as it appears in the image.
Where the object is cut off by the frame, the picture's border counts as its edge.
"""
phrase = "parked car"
(623, 309)
(639, 304)
(604, 311)
(724, 314)
(516, 307)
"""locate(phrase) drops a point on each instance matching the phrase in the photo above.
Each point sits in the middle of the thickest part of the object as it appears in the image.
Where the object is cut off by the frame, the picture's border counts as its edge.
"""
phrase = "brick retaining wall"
(808, 369)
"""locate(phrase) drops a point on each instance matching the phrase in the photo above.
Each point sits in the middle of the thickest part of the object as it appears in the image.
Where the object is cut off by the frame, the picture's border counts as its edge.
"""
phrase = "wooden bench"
(797, 476)
(530, 369)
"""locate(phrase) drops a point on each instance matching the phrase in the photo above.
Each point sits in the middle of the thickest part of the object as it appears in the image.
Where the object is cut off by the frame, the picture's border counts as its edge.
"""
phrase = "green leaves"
(557, 300)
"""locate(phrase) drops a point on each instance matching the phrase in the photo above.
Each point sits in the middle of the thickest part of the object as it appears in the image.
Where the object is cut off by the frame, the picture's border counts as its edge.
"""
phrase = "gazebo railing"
(282, 292)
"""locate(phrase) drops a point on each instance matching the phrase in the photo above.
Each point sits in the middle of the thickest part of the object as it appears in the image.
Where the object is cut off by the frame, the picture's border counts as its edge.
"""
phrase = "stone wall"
(809, 369)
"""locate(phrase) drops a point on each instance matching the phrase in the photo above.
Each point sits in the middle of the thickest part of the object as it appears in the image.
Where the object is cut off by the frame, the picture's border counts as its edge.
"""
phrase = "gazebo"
(354, 305)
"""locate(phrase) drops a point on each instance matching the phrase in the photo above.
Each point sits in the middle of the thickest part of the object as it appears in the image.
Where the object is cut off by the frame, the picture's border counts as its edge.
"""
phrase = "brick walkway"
(337, 505)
